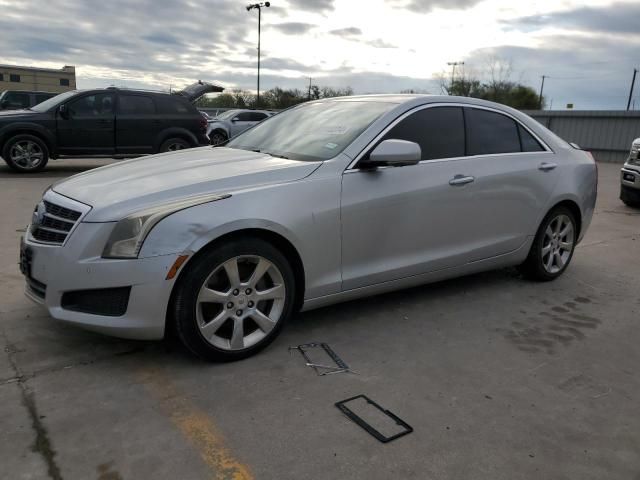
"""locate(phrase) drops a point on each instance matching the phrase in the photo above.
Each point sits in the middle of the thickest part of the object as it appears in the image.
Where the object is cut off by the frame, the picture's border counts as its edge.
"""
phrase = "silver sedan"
(328, 201)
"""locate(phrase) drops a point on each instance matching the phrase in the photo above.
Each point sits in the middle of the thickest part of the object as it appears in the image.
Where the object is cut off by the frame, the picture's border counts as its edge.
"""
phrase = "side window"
(41, 97)
(529, 143)
(168, 104)
(438, 130)
(135, 105)
(490, 132)
(18, 100)
(244, 117)
(96, 105)
(257, 116)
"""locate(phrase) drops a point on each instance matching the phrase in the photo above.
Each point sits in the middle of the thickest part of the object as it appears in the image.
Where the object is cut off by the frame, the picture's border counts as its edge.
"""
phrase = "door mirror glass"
(63, 111)
(394, 153)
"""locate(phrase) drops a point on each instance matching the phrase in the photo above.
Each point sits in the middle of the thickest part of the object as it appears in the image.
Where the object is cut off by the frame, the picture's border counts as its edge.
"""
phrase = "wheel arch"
(279, 241)
(574, 208)
(29, 129)
(175, 132)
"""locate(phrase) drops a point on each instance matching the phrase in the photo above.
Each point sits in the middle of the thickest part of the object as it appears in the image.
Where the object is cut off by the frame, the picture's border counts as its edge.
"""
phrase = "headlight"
(129, 234)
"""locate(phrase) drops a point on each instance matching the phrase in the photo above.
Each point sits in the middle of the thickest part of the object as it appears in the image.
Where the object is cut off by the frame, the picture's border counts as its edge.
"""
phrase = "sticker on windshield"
(331, 145)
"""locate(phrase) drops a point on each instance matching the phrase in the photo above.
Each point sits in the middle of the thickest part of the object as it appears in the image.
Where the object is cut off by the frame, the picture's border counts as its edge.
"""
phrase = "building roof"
(65, 69)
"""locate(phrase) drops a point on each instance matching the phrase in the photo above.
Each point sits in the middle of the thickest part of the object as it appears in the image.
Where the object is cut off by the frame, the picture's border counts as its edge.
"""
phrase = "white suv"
(630, 177)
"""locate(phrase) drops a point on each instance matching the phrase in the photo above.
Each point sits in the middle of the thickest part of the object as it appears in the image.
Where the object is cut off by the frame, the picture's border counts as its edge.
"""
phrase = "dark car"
(107, 122)
(18, 99)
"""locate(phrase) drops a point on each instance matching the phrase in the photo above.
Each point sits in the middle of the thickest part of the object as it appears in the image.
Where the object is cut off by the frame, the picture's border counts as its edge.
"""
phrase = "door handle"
(546, 167)
(459, 180)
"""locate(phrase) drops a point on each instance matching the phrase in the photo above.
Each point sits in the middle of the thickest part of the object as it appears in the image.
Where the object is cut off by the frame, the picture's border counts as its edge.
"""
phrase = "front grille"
(39, 289)
(111, 302)
(55, 224)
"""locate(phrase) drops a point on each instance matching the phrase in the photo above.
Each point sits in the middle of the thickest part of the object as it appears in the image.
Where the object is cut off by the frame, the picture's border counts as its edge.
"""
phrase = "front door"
(404, 221)
(88, 128)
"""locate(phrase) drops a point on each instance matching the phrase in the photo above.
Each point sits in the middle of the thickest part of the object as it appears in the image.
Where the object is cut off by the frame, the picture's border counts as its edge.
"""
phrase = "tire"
(222, 319)
(217, 137)
(25, 153)
(557, 233)
(174, 144)
(628, 200)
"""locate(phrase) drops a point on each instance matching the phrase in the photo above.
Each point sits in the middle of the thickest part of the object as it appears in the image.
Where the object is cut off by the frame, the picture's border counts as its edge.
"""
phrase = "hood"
(117, 190)
(195, 91)
(16, 113)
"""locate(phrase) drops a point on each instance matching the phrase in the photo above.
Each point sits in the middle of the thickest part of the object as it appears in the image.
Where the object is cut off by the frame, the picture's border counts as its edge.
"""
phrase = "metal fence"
(606, 134)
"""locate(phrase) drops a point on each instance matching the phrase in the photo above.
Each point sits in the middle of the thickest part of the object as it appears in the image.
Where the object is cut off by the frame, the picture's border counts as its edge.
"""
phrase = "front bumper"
(54, 270)
(630, 176)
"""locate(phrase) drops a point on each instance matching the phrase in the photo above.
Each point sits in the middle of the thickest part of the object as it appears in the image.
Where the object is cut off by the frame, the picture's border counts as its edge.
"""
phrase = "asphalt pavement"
(500, 378)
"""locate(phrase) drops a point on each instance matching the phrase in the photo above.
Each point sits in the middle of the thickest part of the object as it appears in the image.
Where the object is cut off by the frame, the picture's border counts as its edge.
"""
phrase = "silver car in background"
(232, 123)
(325, 202)
(630, 177)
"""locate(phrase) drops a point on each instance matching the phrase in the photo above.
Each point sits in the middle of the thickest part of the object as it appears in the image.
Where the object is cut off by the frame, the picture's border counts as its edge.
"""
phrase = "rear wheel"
(174, 144)
(234, 300)
(217, 137)
(552, 247)
(26, 153)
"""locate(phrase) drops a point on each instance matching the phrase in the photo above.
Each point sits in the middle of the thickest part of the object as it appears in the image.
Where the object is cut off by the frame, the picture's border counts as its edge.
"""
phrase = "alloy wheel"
(240, 302)
(558, 244)
(26, 154)
(175, 146)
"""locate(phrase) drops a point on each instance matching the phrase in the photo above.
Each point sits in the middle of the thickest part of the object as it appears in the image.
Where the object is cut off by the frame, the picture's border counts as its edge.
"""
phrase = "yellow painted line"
(196, 426)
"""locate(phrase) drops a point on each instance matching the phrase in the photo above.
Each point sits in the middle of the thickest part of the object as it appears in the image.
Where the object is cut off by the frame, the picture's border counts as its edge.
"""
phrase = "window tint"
(64, 82)
(490, 132)
(257, 116)
(41, 97)
(99, 104)
(529, 143)
(14, 78)
(17, 100)
(171, 104)
(244, 117)
(135, 105)
(439, 131)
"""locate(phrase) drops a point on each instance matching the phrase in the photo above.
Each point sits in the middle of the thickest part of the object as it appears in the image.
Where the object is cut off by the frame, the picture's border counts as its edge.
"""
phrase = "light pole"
(633, 81)
(259, 7)
(541, 90)
(453, 71)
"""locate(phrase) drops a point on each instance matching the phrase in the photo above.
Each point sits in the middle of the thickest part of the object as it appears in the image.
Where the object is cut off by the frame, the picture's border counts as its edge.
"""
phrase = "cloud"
(293, 28)
(346, 32)
(318, 6)
(425, 6)
(616, 18)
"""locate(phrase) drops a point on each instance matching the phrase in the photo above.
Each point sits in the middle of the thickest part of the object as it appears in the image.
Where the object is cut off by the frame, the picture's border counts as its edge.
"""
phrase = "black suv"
(108, 122)
(16, 99)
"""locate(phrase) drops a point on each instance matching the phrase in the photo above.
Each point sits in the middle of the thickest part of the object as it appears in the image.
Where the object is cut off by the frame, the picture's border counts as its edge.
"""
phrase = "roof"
(38, 69)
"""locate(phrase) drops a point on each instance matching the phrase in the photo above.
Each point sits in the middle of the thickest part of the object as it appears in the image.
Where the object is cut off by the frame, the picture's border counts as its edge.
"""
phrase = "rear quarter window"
(174, 104)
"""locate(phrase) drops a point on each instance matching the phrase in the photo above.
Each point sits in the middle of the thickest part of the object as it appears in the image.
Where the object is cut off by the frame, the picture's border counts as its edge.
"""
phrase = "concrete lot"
(500, 378)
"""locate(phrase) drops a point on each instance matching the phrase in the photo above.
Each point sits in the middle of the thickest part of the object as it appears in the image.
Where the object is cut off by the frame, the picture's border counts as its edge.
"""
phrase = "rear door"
(89, 126)
(514, 175)
(137, 123)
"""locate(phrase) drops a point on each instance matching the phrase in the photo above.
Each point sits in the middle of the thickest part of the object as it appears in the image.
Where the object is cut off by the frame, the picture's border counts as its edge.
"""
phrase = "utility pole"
(633, 81)
(453, 66)
(309, 88)
(259, 7)
(541, 90)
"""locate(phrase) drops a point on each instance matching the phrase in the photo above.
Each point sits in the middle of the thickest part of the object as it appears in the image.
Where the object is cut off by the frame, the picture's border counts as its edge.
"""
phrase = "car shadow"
(58, 168)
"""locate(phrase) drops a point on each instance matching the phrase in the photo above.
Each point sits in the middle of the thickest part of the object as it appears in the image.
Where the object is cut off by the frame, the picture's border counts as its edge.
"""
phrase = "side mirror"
(63, 111)
(235, 119)
(394, 153)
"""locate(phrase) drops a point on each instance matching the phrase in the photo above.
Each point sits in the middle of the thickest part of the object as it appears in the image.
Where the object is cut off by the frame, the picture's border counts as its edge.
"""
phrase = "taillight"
(203, 124)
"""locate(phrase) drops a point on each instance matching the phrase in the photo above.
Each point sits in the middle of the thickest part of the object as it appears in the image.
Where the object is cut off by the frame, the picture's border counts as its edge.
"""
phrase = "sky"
(587, 49)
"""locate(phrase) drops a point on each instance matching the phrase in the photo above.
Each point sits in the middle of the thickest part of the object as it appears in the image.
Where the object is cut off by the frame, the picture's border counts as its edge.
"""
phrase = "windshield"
(53, 101)
(227, 114)
(311, 131)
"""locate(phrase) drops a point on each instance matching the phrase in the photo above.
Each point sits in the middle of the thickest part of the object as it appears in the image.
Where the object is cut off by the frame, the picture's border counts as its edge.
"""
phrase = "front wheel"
(26, 153)
(552, 247)
(233, 300)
